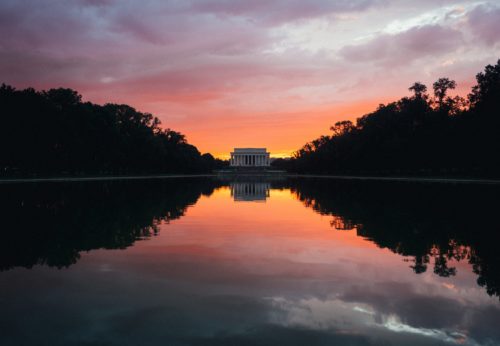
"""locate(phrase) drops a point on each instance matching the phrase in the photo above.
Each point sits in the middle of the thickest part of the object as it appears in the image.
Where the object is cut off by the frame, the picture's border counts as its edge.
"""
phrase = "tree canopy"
(417, 135)
(53, 132)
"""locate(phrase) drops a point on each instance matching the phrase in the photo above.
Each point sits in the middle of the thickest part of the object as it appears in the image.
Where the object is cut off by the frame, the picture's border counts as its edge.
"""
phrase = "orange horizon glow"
(217, 130)
(232, 74)
(306, 126)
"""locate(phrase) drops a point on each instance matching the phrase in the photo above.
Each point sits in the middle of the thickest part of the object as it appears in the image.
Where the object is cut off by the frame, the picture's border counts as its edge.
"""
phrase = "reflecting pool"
(201, 261)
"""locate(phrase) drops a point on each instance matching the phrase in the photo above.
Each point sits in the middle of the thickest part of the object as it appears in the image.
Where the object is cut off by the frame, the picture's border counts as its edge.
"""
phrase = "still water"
(249, 262)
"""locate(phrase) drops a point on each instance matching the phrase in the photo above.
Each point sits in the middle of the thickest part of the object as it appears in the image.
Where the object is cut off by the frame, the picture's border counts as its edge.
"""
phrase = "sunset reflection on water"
(260, 272)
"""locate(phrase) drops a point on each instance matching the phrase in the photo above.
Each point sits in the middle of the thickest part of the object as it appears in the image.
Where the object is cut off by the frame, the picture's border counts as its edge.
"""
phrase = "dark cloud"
(427, 310)
(264, 335)
(404, 47)
(413, 308)
(484, 325)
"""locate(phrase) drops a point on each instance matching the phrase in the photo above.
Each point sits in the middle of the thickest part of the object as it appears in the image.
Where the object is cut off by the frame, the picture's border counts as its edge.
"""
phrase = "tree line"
(53, 132)
(425, 134)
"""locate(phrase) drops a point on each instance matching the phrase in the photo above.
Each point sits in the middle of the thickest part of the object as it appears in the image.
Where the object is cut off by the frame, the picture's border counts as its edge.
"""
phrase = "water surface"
(243, 262)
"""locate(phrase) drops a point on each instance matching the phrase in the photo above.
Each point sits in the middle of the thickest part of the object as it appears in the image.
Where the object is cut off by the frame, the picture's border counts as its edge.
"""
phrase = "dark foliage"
(53, 132)
(418, 135)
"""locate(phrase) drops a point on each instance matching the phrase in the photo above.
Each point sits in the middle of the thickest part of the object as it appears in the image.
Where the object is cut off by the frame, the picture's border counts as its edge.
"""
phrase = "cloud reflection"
(225, 273)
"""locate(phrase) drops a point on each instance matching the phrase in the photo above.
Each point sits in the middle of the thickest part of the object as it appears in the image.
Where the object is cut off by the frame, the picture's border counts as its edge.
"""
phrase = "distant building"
(250, 157)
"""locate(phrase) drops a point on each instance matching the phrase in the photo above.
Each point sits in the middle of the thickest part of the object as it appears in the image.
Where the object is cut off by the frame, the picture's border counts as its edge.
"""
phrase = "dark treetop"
(54, 133)
(417, 135)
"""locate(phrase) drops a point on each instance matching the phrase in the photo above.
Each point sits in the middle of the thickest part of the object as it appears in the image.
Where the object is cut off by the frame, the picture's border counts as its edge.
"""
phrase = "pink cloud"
(208, 66)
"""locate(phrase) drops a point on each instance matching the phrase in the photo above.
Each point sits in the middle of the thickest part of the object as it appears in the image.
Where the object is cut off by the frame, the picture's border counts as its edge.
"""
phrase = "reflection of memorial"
(250, 191)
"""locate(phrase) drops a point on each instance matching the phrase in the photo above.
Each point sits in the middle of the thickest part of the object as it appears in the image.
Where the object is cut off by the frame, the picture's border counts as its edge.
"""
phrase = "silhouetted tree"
(419, 89)
(441, 87)
(487, 90)
(342, 128)
(415, 135)
(53, 132)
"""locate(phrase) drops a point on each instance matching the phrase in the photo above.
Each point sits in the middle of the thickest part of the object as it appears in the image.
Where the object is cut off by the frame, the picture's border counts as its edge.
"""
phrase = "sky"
(259, 73)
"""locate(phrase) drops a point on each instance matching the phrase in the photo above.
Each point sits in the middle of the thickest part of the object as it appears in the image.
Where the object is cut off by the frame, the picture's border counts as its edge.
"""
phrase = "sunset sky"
(256, 73)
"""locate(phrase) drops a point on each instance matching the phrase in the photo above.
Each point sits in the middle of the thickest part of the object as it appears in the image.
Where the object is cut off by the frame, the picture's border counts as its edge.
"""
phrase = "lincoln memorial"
(250, 157)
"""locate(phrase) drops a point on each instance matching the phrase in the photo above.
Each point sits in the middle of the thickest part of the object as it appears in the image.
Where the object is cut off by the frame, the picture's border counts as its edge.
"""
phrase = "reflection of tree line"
(52, 223)
(429, 222)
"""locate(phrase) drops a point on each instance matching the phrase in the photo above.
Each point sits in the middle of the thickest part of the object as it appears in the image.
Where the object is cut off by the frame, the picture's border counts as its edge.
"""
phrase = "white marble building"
(250, 157)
